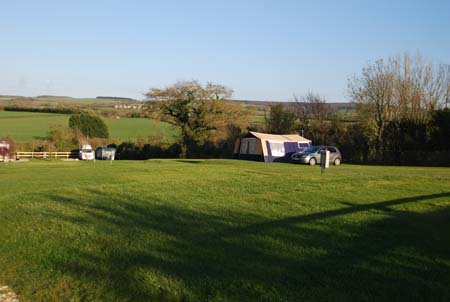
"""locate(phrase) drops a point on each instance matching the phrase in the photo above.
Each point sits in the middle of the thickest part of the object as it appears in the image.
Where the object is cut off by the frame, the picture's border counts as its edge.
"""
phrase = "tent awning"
(280, 137)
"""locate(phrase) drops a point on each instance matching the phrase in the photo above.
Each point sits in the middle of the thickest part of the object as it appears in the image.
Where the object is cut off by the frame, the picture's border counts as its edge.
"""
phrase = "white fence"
(20, 155)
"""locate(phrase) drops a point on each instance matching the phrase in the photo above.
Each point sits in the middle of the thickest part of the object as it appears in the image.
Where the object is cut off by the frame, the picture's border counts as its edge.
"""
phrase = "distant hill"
(10, 96)
(53, 96)
(118, 98)
(334, 106)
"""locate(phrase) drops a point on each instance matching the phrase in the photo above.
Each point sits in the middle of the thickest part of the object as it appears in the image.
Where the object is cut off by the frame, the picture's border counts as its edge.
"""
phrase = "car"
(311, 155)
(86, 152)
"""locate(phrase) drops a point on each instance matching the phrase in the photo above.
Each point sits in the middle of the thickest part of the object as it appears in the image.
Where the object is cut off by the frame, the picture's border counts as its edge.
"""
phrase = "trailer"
(105, 153)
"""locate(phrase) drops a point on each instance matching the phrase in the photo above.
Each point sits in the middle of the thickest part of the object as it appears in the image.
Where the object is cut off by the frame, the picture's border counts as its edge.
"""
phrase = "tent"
(269, 147)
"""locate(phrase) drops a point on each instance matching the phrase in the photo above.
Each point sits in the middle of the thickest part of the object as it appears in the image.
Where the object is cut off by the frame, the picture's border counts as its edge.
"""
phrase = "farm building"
(269, 147)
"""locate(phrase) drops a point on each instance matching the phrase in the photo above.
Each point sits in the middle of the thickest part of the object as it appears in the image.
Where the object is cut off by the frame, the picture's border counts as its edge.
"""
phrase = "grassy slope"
(27, 126)
(218, 230)
(131, 128)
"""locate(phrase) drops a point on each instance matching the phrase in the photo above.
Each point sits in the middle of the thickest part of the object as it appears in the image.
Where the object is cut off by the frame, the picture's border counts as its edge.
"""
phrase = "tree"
(280, 120)
(313, 113)
(399, 90)
(89, 125)
(201, 112)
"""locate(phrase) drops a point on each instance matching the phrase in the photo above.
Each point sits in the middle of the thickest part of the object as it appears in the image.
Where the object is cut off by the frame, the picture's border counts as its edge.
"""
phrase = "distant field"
(223, 230)
(256, 110)
(28, 126)
(66, 100)
(131, 128)
(103, 104)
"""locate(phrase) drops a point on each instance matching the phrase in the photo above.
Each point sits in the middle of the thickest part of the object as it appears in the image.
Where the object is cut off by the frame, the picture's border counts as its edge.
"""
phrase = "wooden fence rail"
(20, 155)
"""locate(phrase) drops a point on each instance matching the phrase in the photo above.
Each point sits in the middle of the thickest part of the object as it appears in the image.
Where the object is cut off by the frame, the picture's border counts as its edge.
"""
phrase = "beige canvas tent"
(269, 147)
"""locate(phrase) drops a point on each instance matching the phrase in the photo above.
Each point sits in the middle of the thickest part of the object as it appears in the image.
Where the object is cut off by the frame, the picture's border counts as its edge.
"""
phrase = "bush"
(135, 115)
(89, 125)
(62, 137)
(137, 151)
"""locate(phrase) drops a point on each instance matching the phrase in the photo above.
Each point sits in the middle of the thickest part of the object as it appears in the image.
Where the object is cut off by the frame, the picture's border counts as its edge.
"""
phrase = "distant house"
(125, 106)
(269, 147)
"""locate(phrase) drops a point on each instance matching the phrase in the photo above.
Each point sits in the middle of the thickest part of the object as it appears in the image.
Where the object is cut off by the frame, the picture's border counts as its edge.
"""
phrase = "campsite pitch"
(223, 230)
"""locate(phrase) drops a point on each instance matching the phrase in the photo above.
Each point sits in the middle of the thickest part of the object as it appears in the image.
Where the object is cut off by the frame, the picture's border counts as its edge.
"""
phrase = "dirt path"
(7, 295)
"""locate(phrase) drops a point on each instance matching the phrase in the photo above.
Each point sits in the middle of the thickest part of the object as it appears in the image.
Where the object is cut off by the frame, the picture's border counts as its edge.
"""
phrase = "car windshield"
(87, 150)
(311, 149)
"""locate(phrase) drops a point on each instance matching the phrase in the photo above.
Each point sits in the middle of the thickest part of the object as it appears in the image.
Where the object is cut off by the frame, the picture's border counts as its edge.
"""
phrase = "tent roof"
(278, 137)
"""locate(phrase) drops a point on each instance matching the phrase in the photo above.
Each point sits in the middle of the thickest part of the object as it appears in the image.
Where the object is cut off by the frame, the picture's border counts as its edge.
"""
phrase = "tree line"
(61, 110)
(401, 116)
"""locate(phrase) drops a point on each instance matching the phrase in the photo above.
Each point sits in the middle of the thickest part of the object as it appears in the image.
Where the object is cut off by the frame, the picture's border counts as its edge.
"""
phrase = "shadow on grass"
(146, 250)
(189, 161)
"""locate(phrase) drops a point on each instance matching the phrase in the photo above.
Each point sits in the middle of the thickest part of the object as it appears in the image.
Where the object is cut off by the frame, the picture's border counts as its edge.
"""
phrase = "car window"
(332, 150)
(311, 149)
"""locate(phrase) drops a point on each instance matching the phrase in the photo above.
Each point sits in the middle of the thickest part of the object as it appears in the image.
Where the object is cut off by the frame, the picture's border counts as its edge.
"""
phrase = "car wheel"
(337, 161)
(312, 162)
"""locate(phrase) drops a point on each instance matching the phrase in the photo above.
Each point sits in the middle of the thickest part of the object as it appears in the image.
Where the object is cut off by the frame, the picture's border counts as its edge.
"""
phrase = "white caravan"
(86, 152)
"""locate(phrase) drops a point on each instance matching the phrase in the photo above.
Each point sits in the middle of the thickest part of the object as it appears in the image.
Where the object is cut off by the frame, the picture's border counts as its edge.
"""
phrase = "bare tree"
(313, 112)
(401, 88)
(419, 87)
(373, 94)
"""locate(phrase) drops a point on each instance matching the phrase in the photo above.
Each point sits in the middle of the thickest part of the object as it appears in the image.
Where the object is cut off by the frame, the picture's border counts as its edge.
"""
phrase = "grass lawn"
(28, 126)
(223, 230)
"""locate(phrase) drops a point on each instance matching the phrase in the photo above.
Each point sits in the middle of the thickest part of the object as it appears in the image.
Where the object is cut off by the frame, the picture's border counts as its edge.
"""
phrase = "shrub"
(131, 150)
(62, 137)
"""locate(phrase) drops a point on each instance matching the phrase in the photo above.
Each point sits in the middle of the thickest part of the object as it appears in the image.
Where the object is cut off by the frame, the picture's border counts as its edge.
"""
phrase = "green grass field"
(28, 126)
(223, 230)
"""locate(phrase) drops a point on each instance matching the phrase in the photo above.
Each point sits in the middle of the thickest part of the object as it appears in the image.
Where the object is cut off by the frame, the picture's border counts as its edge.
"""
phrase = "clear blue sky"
(264, 50)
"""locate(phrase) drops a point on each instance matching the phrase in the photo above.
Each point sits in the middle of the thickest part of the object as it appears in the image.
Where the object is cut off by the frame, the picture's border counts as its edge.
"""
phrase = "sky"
(263, 50)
